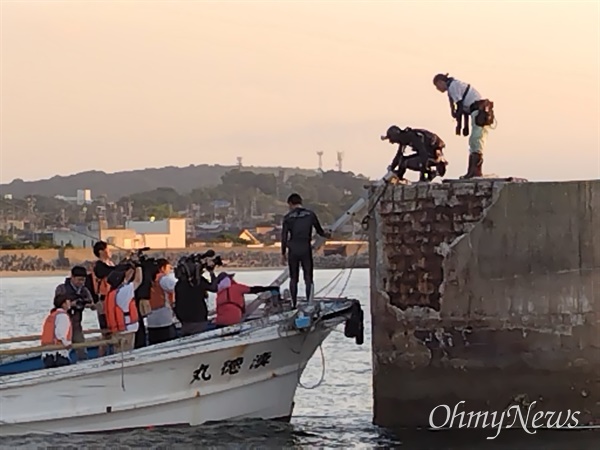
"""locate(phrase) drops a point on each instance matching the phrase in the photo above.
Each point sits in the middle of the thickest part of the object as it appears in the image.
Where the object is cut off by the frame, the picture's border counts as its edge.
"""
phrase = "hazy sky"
(130, 84)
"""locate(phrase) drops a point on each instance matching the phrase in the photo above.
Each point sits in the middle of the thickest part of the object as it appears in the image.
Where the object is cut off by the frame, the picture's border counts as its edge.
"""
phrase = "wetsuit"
(296, 237)
(429, 153)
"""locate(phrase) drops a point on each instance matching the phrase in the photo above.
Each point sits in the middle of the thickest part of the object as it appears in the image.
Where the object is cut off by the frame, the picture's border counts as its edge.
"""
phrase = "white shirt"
(163, 317)
(62, 323)
(456, 91)
(124, 295)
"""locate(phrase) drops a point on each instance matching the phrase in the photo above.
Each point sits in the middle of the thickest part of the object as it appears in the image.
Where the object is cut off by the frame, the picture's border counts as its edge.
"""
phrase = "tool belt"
(485, 116)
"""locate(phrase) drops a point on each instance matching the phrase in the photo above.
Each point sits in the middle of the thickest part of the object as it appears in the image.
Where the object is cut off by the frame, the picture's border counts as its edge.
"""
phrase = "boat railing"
(44, 348)
(37, 337)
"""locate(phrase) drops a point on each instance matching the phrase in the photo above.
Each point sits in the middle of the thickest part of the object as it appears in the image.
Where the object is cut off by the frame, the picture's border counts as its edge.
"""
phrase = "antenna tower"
(320, 155)
(340, 159)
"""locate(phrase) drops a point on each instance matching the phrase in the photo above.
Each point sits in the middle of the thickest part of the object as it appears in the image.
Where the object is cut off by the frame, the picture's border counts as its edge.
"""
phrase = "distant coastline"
(65, 272)
(51, 262)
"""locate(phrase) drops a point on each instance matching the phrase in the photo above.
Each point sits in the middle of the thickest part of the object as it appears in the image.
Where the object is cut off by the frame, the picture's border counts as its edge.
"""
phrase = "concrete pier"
(486, 292)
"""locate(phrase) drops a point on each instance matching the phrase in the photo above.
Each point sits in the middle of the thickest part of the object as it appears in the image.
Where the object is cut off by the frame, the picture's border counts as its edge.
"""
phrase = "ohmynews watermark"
(481, 419)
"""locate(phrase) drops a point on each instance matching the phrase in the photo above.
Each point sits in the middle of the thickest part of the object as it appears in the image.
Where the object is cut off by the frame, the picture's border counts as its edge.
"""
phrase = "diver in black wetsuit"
(296, 237)
(428, 158)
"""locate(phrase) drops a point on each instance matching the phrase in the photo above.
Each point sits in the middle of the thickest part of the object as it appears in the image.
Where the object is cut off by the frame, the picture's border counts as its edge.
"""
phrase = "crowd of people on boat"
(143, 300)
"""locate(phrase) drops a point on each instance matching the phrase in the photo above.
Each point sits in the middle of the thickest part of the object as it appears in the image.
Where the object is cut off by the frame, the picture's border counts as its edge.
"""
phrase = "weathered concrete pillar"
(485, 292)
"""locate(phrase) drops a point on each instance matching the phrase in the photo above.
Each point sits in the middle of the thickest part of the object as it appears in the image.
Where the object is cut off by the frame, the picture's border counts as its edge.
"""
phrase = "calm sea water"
(337, 414)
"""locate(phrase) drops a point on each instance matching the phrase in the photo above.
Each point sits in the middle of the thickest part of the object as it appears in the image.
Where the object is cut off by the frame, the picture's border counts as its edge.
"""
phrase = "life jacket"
(231, 304)
(157, 294)
(101, 286)
(116, 319)
(48, 330)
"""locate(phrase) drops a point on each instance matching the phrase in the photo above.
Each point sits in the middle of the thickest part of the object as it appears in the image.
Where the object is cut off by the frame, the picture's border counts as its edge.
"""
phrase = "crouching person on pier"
(120, 308)
(57, 330)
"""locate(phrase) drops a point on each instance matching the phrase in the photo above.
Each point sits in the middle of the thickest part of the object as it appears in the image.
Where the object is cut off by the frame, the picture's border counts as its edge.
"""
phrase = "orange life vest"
(101, 286)
(115, 317)
(157, 294)
(48, 330)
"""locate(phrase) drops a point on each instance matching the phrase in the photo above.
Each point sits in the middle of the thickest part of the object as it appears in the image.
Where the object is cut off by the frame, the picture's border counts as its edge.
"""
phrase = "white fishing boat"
(249, 370)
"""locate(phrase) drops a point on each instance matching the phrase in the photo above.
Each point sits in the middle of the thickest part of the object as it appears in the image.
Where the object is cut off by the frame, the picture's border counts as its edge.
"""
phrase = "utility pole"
(320, 155)
(340, 158)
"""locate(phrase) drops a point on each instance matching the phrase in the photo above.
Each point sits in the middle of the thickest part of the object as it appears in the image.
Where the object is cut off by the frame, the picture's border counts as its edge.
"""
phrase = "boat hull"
(190, 381)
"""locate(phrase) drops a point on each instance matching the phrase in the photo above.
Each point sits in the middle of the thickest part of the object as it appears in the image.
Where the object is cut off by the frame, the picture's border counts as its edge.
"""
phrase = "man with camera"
(74, 289)
(191, 291)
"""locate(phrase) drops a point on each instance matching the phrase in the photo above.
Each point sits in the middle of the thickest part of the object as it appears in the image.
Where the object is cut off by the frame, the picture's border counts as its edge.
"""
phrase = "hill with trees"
(239, 194)
(117, 184)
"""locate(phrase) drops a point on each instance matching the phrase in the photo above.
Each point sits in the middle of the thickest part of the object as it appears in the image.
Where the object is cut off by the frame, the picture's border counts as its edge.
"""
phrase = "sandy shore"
(65, 273)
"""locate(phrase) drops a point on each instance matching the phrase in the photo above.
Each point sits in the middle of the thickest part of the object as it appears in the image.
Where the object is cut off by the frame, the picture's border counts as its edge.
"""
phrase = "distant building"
(84, 196)
(249, 237)
(123, 238)
(161, 234)
(8, 197)
(80, 237)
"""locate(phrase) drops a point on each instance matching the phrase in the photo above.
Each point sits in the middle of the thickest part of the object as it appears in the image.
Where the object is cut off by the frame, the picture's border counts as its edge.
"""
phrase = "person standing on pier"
(466, 104)
(296, 248)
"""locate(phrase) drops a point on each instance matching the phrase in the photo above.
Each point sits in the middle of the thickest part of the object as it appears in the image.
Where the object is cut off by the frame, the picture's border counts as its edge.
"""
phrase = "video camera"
(78, 302)
(190, 267)
(149, 267)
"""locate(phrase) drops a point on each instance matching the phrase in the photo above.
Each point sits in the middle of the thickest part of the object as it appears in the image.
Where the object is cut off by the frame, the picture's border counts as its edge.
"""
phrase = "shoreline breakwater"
(61, 260)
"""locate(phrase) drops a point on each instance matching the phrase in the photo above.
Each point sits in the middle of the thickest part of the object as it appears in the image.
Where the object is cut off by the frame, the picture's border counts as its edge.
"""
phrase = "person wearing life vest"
(119, 305)
(160, 323)
(57, 330)
(467, 104)
(81, 298)
(231, 304)
(97, 282)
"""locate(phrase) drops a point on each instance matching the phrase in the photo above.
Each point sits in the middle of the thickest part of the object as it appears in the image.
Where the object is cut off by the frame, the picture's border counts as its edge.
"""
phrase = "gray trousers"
(187, 329)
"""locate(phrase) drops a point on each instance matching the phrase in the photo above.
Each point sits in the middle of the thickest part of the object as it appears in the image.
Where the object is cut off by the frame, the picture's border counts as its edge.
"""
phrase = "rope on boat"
(322, 378)
(333, 282)
(122, 365)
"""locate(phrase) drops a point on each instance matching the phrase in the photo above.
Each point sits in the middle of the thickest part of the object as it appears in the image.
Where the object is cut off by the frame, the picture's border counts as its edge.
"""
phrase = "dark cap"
(391, 133)
(78, 271)
(115, 278)
(59, 299)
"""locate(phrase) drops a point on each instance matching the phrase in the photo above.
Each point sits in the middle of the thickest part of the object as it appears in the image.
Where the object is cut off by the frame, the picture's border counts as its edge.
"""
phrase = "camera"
(190, 267)
(149, 266)
(78, 302)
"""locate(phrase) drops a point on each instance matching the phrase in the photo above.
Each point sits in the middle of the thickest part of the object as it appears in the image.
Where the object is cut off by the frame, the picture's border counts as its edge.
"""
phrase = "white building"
(161, 234)
(84, 196)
